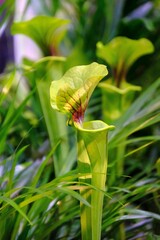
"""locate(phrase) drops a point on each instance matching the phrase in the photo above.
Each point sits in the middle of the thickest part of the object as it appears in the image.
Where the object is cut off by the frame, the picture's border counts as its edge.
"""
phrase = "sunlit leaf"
(124, 51)
(7, 84)
(72, 92)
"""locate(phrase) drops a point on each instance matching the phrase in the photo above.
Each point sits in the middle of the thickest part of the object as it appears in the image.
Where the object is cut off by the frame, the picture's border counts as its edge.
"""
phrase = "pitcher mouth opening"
(94, 126)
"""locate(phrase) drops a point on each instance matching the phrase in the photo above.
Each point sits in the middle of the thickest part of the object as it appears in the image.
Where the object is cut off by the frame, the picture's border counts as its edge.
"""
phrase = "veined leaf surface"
(72, 92)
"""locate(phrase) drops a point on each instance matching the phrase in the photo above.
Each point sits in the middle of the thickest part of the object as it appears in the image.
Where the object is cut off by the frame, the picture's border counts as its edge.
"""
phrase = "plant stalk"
(92, 165)
(56, 126)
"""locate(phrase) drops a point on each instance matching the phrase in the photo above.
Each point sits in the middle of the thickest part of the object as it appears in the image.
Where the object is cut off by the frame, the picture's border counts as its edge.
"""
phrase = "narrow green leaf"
(138, 140)
(138, 149)
(136, 213)
(142, 101)
(10, 118)
(141, 113)
(12, 170)
(133, 127)
(7, 81)
(75, 195)
(42, 166)
(158, 166)
(15, 206)
(36, 197)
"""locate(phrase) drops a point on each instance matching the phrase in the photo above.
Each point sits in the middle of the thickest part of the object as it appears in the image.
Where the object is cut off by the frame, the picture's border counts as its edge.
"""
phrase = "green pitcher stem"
(92, 165)
(56, 126)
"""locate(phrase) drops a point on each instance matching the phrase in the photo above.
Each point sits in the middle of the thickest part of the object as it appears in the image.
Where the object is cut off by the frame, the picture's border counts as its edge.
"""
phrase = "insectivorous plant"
(117, 93)
(47, 32)
(70, 95)
(120, 54)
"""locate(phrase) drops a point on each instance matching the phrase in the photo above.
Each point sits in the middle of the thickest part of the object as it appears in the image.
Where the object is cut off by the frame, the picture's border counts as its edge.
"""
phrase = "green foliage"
(47, 32)
(70, 95)
(121, 53)
(6, 15)
(92, 166)
(72, 92)
(39, 188)
(42, 73)
(115, 101)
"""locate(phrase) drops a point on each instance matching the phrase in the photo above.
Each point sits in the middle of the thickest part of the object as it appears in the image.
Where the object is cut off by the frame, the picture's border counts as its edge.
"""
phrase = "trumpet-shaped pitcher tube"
(70, 95)
(92, 164)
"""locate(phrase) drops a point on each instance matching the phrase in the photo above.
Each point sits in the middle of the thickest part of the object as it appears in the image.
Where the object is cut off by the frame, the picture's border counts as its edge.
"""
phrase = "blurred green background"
(39, 41)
